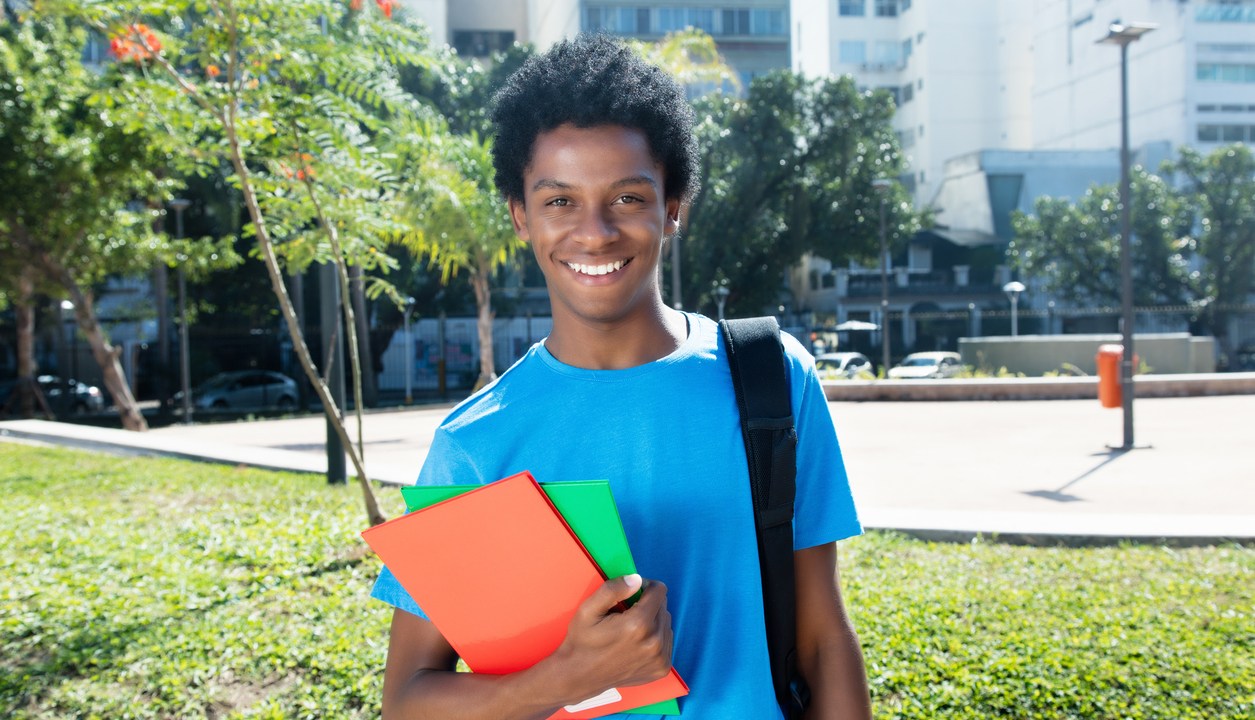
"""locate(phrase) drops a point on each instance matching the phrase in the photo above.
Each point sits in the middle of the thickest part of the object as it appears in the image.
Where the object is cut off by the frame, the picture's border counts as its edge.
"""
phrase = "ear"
(518, 216)
(673, 217)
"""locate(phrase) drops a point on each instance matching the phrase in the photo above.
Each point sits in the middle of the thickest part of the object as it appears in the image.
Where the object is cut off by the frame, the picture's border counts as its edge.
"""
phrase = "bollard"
(1108, 361)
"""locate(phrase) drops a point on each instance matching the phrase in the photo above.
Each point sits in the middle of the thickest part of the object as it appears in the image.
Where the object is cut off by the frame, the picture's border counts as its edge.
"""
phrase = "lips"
(597, 270)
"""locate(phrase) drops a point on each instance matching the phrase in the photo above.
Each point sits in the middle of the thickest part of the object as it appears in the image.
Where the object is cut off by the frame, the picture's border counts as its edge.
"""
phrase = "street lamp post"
(409, 350)
(71, 382)
(185, 363)
(882, 187)
(1013, 290)
(1123, 35)
(721, 297)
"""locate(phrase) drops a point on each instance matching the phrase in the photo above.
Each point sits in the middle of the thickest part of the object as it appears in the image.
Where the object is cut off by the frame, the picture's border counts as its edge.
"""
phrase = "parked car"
(245, 389)
(84, 398)
(938, 364)
(842, 364)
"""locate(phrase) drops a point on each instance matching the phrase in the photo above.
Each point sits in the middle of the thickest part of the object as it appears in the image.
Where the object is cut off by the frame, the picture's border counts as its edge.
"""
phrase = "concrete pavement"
(1030, 471)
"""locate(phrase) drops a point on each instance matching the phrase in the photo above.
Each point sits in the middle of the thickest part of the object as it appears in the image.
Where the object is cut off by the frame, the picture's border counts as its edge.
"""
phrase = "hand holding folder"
(455, 557)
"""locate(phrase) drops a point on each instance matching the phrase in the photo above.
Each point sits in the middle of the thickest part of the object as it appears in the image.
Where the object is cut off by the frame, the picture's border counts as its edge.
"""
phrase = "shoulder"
(494, 397)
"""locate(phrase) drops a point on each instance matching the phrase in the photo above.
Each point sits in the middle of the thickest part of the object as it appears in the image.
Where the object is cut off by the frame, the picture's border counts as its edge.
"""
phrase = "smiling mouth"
(595, 270)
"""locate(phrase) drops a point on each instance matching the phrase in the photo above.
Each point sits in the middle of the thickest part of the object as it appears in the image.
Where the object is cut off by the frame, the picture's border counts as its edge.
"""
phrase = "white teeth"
(604, 269)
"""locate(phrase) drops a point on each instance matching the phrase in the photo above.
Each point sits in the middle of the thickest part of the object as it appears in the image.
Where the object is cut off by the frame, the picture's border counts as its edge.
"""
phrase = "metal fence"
(412, 365)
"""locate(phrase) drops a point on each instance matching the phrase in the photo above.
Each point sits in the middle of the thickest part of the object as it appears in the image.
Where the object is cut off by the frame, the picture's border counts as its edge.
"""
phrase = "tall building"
(987, 75)
(960, 72)
(1191, 80)
(752, 35)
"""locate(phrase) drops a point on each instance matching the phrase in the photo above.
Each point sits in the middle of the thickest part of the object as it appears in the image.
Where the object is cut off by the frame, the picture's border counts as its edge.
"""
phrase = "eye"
(627, 200)
(558, 202)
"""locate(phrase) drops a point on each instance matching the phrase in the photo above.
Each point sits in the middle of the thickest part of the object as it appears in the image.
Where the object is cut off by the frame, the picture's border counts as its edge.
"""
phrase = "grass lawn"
(154, 588)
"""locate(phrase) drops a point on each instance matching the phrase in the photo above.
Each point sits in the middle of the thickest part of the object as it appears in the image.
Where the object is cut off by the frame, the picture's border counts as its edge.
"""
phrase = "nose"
(595, 227)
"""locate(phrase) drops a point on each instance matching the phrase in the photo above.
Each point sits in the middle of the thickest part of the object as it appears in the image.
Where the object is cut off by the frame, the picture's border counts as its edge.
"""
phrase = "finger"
(610, 595)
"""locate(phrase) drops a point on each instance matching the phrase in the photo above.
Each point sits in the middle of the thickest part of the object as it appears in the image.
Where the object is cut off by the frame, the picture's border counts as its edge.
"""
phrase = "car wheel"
(286, 403)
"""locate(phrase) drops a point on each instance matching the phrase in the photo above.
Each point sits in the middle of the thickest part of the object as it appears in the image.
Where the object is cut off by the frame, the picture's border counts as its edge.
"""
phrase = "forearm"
(837, 679)
(531, 694)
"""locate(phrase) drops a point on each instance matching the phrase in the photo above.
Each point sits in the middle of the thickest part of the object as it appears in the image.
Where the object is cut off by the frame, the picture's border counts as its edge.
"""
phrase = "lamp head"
(1119, 33)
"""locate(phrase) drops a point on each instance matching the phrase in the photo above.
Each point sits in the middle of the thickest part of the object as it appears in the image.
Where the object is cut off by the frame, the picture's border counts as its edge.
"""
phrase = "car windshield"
(919, 362)
(218, 381)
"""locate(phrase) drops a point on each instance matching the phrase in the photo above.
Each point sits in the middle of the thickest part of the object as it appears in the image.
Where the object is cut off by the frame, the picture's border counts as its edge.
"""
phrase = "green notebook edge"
(588, 507)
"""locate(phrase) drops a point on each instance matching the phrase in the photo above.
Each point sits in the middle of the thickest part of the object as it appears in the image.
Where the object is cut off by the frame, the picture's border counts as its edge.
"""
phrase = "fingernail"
(633, 581)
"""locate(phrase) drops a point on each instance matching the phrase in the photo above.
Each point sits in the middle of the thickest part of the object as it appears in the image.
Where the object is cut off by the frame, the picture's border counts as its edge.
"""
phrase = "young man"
(595, 156)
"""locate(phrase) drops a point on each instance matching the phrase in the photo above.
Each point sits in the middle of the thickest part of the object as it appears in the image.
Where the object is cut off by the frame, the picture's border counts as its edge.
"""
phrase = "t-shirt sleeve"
(446, 464)
(824, 509)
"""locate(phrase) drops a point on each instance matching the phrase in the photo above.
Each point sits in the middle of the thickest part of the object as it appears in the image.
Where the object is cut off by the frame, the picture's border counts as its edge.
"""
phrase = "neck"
(636, 340)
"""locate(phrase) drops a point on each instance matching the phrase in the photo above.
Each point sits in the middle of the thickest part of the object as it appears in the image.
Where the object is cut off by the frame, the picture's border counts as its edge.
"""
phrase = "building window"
(619, 20)
(703, 19)
(852, 8)
(887, 52)
(852, 52)
(908, 93)
(672, 19)
(481, 43)
(767, 22)
(896, 93)
(907, 48)
(1226, 133)
(1226, 72)
(736, 22)
(1235, 11)
(1226, 47)
(904, 5)
(886, 8)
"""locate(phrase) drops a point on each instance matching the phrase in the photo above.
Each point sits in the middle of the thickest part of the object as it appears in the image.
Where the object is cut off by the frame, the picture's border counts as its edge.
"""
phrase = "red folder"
(500, 574)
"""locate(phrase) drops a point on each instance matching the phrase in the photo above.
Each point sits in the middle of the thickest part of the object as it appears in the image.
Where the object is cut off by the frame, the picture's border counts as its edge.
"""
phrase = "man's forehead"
(614, 155)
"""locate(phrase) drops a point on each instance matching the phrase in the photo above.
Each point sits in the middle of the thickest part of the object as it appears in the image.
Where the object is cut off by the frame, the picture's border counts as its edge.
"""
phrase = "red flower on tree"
(385, 6)
(137, 43)
(355, 5)
(213, 71)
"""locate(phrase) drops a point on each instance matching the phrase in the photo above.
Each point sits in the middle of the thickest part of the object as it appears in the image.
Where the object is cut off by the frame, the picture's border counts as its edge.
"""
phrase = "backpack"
(761, 382)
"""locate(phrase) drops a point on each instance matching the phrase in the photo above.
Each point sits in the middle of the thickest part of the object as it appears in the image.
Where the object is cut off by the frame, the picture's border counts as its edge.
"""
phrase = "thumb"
(613, 592)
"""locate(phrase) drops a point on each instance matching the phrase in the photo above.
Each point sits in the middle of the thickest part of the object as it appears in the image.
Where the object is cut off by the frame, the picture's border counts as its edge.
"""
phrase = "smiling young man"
(595, 156)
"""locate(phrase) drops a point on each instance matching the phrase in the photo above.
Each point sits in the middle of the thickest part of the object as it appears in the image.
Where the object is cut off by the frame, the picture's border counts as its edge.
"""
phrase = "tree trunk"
(483, 303)
(370, 384)
(105, 354)
(23, 390)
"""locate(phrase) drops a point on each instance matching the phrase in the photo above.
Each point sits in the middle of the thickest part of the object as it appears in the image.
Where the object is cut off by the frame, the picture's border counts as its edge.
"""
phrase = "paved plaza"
(1034, 470)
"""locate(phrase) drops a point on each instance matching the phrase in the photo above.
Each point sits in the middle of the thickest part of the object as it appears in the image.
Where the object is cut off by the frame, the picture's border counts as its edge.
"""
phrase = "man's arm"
(602, 649)
(829, 656)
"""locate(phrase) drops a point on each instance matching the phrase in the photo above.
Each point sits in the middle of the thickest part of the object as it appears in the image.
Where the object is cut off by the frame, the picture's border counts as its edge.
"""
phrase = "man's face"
(594, 212)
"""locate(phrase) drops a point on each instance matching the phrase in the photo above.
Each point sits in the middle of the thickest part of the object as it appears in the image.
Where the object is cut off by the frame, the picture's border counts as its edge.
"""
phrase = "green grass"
(152, 588)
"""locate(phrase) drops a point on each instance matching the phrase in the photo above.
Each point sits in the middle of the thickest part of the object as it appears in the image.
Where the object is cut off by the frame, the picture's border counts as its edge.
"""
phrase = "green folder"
(588, 507)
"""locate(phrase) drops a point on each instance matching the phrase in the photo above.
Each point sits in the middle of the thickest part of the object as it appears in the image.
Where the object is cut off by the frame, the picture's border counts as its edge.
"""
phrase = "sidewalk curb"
(1023, 528)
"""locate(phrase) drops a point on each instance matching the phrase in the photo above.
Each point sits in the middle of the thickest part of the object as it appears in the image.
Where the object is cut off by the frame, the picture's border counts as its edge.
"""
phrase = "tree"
(692, 57)
(1219, 191)
(787, 170)
(75, 191)
(1073, 249)
(290, 94)
(460, 222)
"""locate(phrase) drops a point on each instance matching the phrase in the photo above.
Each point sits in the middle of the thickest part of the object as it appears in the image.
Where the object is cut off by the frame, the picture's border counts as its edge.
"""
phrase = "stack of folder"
(501, 568)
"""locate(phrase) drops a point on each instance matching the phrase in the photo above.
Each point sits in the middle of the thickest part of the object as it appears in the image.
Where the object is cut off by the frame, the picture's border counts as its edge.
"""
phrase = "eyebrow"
(551, 184)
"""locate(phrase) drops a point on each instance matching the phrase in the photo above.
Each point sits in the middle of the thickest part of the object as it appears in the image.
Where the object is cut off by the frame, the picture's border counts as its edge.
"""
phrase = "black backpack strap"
(761, 381)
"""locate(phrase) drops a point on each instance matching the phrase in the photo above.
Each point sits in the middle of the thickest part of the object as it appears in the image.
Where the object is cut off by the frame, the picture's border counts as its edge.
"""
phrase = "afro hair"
(590, 81)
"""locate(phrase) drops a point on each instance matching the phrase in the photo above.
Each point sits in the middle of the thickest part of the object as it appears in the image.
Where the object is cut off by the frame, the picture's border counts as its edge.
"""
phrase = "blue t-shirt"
(667, 437)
